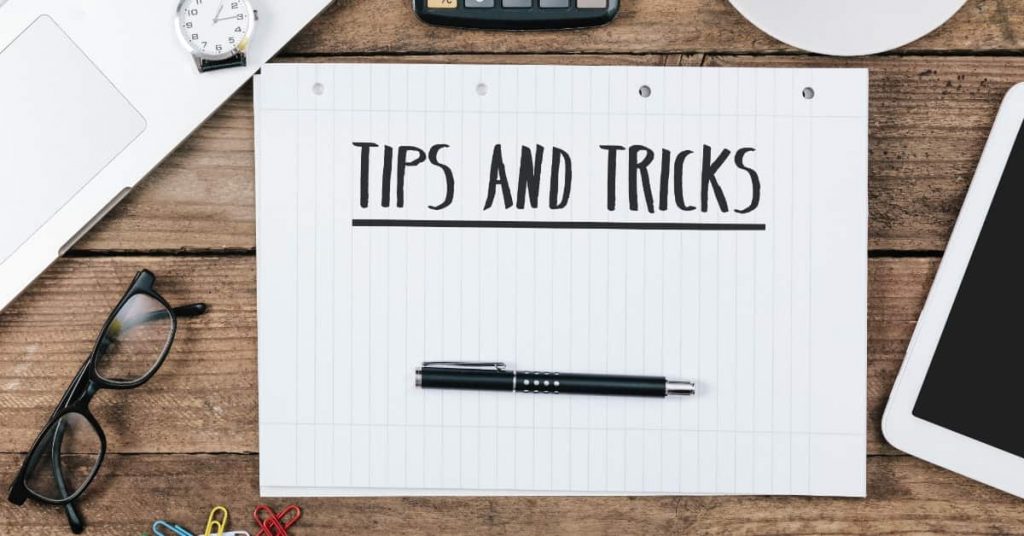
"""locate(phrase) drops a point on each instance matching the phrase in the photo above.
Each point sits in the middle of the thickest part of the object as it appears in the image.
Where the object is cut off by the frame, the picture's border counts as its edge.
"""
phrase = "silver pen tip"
(419, 377)
(679, 387)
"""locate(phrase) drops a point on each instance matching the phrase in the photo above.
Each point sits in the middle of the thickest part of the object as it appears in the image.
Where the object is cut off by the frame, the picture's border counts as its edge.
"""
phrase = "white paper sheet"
(764, 309)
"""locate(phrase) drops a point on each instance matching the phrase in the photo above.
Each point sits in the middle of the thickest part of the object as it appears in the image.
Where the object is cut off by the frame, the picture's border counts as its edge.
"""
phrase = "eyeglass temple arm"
(73, 389)
(185, 311)
(191, 310)
(74, 519)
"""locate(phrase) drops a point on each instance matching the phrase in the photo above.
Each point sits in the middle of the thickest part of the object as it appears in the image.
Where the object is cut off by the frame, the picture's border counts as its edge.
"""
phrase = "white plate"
(847, 27)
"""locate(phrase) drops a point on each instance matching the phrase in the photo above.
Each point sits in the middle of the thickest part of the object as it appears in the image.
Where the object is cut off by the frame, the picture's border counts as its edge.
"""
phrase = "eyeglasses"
(132, 345)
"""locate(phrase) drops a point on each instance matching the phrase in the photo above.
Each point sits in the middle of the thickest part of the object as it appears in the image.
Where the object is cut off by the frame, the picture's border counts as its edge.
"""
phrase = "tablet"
(958, 401)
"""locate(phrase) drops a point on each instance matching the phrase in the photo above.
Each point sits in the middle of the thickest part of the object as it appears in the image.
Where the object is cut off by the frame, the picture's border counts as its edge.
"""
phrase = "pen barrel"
(477, 380)
(589, 384)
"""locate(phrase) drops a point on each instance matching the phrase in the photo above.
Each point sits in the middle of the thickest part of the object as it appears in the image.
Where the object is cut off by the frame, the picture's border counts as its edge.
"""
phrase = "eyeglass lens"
(65, 458)
(134, 341)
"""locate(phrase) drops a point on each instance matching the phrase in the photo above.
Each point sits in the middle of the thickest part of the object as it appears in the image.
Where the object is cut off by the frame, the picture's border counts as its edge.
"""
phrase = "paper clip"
(175, 529)
(275, 524)
(216, 524)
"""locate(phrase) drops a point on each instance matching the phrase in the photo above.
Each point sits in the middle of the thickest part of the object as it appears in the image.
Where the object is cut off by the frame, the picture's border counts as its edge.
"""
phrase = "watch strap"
(238, 60)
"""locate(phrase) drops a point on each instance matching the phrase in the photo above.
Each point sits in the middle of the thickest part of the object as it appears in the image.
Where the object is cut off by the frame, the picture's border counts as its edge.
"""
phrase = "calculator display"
(975, 383)
(517, 14)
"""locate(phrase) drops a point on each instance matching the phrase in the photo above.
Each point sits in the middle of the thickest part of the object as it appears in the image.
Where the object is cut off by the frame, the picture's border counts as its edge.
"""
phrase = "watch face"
(215, 29)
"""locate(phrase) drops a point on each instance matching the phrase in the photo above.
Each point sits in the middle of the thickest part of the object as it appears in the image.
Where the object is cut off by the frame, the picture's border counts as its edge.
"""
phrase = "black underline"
(505, 224)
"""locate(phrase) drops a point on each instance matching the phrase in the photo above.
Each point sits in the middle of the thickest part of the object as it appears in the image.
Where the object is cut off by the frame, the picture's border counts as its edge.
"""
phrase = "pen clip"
(470, 365)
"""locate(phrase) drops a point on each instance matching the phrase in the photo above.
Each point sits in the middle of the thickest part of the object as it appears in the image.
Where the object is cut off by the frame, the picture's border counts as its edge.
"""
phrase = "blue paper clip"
(175, 529)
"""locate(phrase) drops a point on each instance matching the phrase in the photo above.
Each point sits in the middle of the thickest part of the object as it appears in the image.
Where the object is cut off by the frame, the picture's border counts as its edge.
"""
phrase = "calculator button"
(554, 3)
(592, 4)
(442, 4)
(479, 3)
(516, 3)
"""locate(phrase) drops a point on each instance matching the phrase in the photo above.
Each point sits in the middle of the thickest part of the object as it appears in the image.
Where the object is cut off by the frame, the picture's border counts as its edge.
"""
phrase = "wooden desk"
(188, 440)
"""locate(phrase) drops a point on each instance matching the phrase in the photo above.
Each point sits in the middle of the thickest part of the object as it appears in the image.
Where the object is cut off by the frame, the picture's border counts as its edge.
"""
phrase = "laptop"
(94, 95)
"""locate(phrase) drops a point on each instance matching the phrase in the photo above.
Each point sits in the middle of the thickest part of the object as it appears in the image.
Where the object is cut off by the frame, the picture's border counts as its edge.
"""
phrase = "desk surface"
(188, 440)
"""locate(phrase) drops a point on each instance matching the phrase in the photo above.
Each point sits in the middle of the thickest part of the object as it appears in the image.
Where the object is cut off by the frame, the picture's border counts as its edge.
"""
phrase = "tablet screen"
(975, 384)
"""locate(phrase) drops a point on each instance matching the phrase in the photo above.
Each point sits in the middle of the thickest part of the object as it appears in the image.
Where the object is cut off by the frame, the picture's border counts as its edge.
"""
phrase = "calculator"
(517, 14)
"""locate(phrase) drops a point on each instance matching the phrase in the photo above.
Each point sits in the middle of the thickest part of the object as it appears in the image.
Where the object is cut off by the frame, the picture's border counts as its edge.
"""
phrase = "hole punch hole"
(808, 93)
(318, 89)
(645, 91)
(481, 89)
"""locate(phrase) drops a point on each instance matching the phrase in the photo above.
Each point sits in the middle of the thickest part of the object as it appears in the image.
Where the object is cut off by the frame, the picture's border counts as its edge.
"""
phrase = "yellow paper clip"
(217, 525)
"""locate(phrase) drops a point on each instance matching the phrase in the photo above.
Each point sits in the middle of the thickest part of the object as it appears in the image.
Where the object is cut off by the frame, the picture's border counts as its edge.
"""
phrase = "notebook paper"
(695, 223)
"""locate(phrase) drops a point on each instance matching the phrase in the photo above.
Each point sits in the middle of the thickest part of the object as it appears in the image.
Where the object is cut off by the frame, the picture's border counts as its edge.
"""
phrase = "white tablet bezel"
(900, 427)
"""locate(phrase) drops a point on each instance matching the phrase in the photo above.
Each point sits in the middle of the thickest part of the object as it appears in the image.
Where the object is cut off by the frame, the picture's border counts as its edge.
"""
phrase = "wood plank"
(930, 118)
(202, 196)
(384, 26)
(905, 495)
(204, 397)
(208, 384)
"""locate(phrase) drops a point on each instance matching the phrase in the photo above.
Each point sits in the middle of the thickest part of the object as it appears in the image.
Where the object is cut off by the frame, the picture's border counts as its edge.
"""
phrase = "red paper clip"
(275, 524)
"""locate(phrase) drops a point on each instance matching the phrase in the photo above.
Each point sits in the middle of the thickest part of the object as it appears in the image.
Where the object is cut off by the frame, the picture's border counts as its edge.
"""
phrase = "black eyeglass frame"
(79, 394)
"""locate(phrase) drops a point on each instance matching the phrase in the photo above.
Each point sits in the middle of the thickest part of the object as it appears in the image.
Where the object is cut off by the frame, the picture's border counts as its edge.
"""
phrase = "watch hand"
(225, 18)
(221, 8)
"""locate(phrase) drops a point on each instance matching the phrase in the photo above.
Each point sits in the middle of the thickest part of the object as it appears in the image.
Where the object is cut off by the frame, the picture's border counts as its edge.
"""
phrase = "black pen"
(480, 376)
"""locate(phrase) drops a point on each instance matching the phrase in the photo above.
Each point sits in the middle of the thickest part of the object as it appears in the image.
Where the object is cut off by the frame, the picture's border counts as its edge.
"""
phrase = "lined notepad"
(694, 223)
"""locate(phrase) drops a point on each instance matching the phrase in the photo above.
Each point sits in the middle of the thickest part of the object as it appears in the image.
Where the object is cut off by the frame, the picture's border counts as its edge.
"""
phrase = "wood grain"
(202, 400)
(202, 197)
(932, 104)
(905, 496)
(207, 386)
(643, 26)
(930, 118)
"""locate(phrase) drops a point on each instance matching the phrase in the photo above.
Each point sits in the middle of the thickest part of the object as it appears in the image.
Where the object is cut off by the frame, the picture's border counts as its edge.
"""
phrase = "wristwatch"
(216, 32)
